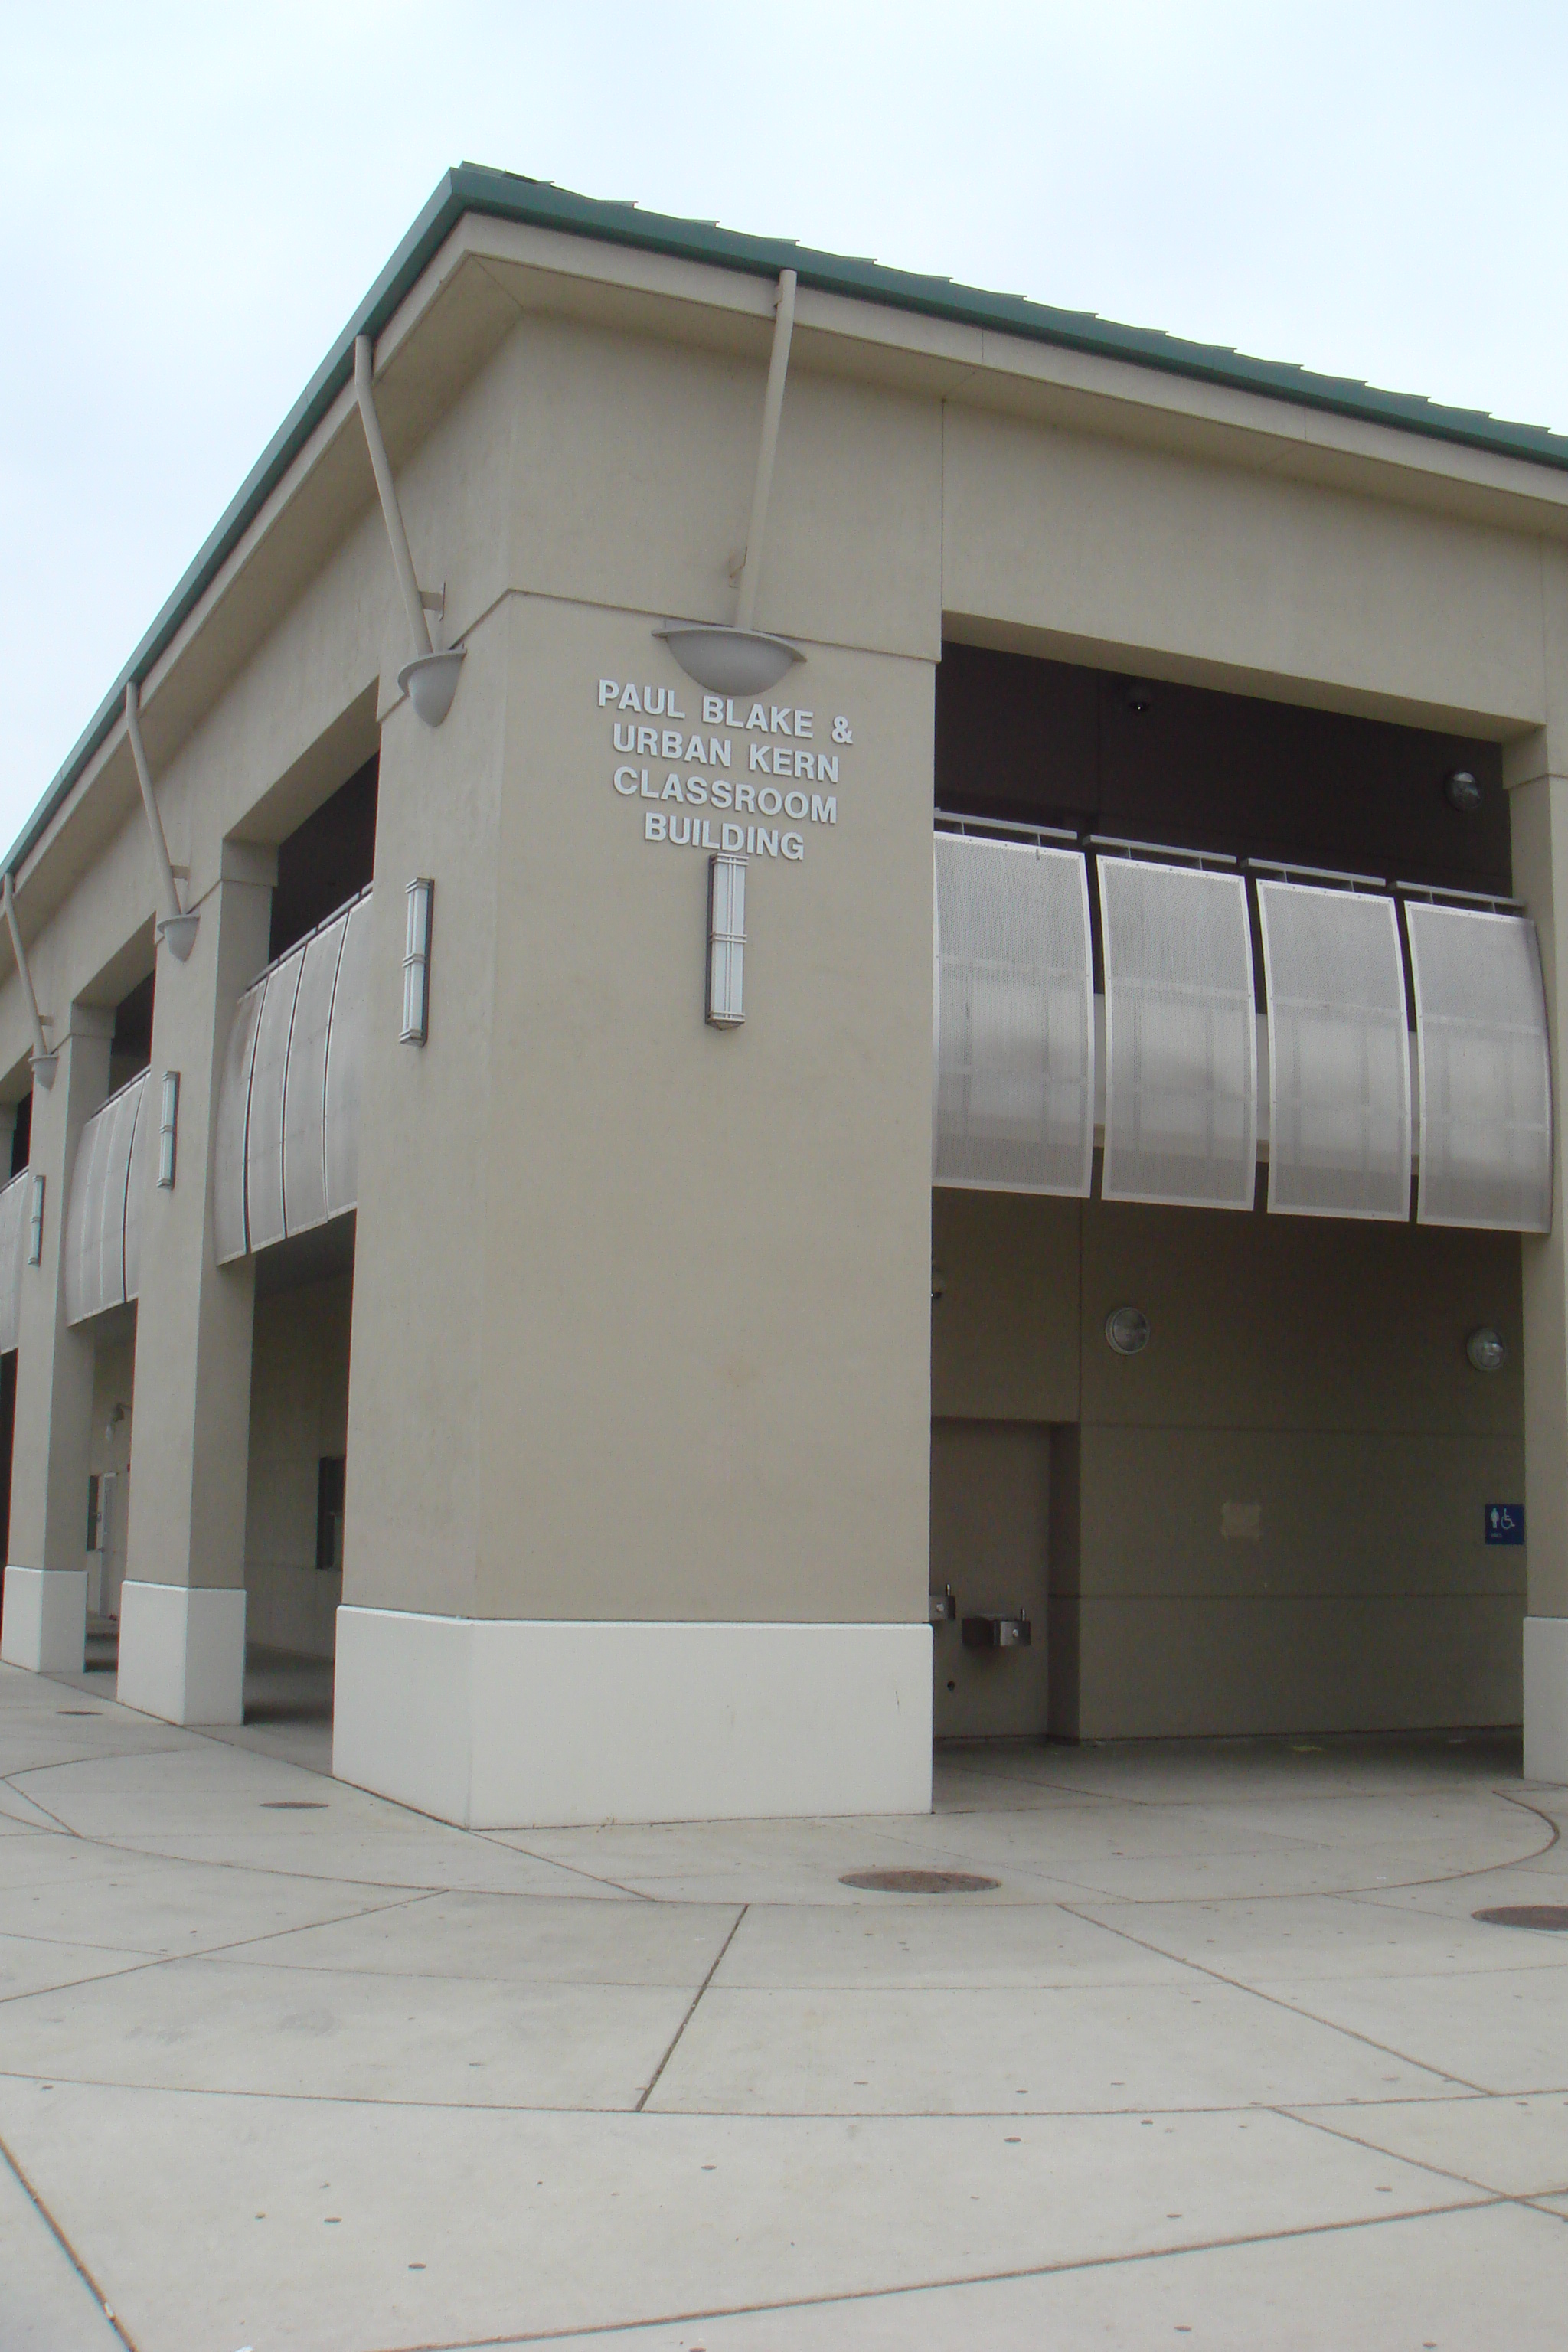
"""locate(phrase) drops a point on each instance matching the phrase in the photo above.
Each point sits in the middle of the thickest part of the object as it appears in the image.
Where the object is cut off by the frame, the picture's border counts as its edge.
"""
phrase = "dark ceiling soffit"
(503, 195)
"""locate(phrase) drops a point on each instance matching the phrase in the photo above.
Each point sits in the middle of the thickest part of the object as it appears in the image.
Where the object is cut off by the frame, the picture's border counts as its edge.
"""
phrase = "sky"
(195, 200)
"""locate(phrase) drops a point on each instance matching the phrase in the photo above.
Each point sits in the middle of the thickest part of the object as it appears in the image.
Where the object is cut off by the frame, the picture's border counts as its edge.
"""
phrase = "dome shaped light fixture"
(430, 681)
(178, 933)
(1140, 696)
(1462, 792)
(723, 660)
(1486, 1350)
(1127, 1330)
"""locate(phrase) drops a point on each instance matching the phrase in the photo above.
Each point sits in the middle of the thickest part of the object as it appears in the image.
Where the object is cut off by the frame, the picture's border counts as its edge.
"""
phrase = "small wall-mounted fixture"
(938, 1284)
(997, 1633)
(168, 1126)
(430, 680)
(416, 963)
(1140, 696)
(35, 1221)
(1486, 1350)
(1127, 1330)
(1462, 792)
(734, 659)
(942, 1606)
(726, 941)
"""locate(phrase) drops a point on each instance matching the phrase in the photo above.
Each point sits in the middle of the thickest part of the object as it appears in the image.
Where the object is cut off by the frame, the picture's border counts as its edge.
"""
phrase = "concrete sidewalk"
(1223, 2060)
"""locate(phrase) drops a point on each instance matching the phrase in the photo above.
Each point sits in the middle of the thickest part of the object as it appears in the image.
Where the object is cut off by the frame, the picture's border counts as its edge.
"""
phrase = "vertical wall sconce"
(416, 963)
(726, 941)
(167, 1127)
(36, 1222)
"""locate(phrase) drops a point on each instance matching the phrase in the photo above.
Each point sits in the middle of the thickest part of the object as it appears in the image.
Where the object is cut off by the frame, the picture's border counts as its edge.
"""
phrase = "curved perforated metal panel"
(95, 1208)
(264, 1127)
(229, 1236)
(1181, 1040)
(84, 1220)
(1486, 1086)
(13, 1257)
(139, 1179)
(1014, 1018)
(305, 1085)
(1339, 1054)
(345, 1062)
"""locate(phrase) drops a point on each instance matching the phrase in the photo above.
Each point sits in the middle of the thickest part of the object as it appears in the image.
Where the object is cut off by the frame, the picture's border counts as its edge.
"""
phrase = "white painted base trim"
(1546, 1699)
(181, 1652)
(43, 1625)
(508, 1723)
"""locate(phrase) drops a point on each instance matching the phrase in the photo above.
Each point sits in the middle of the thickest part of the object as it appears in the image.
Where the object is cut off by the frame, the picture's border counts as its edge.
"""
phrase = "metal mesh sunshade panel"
(95, 1208)
(305, 1087)
(1014, 1018)
(141, 1179)
(1181, 1040)
(1339, 1054)
(15, 1202)
(345, 1061)
(229, 1237)
(1485, 1087)
(264, 1127)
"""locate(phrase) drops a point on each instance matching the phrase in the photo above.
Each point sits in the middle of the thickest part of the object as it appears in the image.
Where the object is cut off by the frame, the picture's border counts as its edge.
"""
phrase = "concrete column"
(46, 1575)
(182, 1608)
(1535, 770)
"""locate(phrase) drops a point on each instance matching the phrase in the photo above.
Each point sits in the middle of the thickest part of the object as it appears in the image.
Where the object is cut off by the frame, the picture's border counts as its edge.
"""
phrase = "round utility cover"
(918, 1882)
(1552, 1918)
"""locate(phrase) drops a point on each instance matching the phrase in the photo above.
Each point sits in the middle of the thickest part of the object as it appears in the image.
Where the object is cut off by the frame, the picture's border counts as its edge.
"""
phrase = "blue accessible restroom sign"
(1505, 1523)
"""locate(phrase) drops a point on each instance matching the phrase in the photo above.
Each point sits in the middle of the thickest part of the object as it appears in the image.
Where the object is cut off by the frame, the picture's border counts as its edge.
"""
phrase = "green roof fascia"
(505, 195)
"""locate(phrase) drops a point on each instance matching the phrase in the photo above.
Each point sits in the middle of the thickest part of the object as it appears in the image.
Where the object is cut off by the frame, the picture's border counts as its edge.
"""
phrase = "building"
(474, 1150)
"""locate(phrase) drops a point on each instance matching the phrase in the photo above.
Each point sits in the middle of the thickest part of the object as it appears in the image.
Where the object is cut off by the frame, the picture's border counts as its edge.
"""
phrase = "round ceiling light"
(1462, 792)
(1127, 1330)
(1486, 1350)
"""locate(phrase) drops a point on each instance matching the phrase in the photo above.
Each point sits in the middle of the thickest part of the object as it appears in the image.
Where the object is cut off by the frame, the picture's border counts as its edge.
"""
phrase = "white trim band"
(181, 1652)
(45, 1626)
(508, 1723)
(1546, 1699)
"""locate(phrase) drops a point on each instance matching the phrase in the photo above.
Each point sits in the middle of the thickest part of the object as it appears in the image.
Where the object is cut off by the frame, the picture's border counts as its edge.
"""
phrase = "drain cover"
(918, 1882)
(293, 1804)
(1551, 1916)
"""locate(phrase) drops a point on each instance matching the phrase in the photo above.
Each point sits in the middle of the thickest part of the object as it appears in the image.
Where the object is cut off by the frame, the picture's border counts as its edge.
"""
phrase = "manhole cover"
(1551, 1916)
(918, 1882)
(293, 1804)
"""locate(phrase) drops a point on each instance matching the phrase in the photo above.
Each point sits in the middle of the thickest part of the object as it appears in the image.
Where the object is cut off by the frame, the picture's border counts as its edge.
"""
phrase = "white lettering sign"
(672, 762)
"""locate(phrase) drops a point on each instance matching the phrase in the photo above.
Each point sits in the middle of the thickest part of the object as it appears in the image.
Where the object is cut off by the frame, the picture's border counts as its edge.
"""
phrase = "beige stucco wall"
(640, 1321)
(671, 1294)
(1310, 1367)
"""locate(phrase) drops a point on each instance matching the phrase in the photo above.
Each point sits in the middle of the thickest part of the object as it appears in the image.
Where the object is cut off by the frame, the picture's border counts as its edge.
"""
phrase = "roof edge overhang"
(475, 189)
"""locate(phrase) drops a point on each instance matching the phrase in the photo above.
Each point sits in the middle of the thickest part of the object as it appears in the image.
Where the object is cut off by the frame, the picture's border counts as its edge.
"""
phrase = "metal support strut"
(44, 1061)
(430, 680)
(772, 403)
(176, 928)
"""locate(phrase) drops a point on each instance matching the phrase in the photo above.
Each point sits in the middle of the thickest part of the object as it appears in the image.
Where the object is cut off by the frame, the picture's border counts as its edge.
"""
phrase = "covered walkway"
(1223, 2056)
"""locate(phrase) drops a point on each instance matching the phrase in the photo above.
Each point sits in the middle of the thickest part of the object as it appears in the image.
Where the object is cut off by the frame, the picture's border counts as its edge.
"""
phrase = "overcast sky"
(195, 199)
